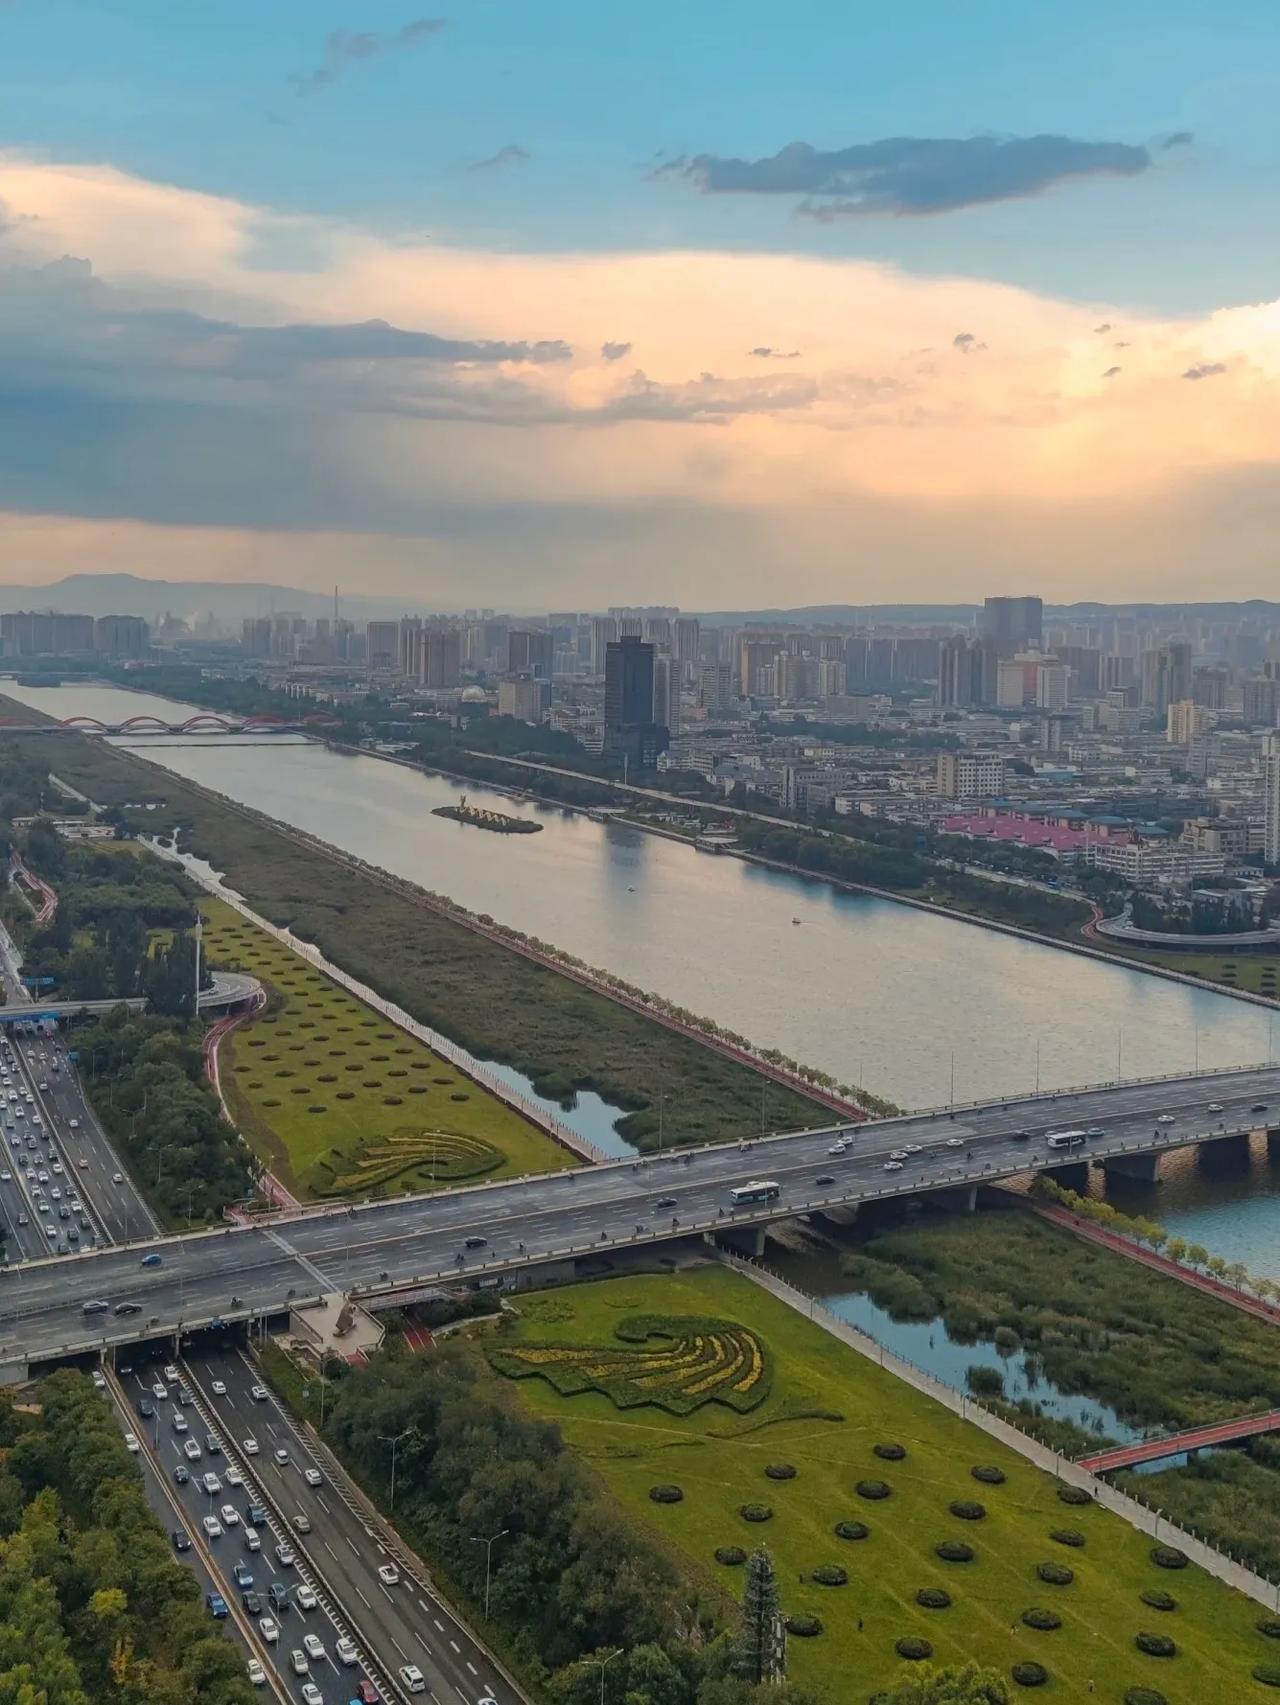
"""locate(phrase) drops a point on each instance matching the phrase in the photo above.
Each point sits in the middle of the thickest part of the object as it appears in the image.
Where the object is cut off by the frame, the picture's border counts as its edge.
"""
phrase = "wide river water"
(914, 1006)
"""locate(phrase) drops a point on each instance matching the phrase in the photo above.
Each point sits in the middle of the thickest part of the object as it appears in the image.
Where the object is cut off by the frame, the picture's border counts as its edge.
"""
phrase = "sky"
(570, 305)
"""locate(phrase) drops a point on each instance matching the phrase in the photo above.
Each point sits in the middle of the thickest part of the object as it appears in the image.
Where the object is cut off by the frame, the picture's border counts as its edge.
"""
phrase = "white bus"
(1066, 1139)
(758, 1190)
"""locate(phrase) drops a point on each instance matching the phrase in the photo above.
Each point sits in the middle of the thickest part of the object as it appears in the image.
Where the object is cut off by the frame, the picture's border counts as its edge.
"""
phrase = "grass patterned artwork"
(676, 1363)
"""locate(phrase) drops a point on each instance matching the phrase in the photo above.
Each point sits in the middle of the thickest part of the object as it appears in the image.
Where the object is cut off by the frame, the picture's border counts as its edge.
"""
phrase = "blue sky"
(578, 304)
(202, 94)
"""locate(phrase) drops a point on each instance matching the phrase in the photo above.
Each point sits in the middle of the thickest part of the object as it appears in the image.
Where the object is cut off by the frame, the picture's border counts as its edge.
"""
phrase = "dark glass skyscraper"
(629, 727)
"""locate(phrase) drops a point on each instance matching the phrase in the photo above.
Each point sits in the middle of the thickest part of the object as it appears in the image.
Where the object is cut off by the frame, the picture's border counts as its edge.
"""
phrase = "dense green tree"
(761, 1642)
(963, 1685)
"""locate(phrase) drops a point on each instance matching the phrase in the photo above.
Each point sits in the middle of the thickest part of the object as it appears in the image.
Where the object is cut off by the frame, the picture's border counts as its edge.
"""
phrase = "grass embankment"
(486, 998)
(1256, 973)
(823, 1412)
(340, 1102)
(1160, 1353)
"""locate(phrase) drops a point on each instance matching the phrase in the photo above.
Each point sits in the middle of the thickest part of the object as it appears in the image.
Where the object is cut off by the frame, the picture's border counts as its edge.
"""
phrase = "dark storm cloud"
(344, 47)
(910, 174)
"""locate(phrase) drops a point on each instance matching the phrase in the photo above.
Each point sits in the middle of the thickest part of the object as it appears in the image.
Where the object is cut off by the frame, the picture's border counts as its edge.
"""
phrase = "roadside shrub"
(1067, 1536)
(873, 1489)
(780, 1470)
(755, 1512)
(851, 1530)
(1168, 1557)
(933, 1598)
(732, 1555)
(1029, 1674)
(913, 1648)
(804, 1626)
(1155, 1645)
(1074, 1494)
(1042, 1619)
(955, 1551)
(1055, 1574)
(988, 1474)
(1268, 1625)
(1166, 1601)
(830, 1575)
(889, 1452)
(1268, 1675)
(1144, 1696)
(967, 1509)
(665, 1494)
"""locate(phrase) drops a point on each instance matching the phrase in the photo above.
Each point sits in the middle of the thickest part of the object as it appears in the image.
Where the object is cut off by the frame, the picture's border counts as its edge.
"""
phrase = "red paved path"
(1195, 1438)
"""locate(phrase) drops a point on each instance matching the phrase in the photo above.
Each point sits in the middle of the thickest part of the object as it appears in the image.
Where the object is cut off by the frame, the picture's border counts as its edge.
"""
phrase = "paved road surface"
(387, 1245)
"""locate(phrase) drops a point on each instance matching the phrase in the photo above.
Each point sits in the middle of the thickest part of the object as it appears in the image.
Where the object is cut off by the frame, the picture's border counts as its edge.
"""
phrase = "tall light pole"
(602, 1662)
(393, 1439)
(488, 1560)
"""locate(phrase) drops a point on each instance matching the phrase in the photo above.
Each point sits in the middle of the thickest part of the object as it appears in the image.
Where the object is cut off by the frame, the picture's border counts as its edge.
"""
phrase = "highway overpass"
(228, 990)
(243, 1273)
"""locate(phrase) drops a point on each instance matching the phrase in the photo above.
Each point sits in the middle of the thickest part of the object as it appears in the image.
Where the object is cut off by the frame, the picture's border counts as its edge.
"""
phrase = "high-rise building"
(687, 635)
(1271, 795)
(525, 697)
(1209, 688)
(1052, 685)
(1260, 702)
(120, 636)
(442, 658)
(630, 730)
(410, 647)
(255, 636)
(604, 630)
(1186, 720)
(666, 693)
(966, 672)
(1166, 676)
(717, 688)
(531, 652)
(970, 775)
(1013, 624)
(382, 645)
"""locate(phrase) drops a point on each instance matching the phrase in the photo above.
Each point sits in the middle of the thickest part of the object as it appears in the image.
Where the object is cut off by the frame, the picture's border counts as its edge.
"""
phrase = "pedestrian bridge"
(1182, 1444)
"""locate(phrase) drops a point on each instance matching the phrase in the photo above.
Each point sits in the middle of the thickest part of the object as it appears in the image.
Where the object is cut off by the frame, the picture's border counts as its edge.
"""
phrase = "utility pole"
(195, 1011)
(488, 1560)
(602, 1662)
(393, 1440)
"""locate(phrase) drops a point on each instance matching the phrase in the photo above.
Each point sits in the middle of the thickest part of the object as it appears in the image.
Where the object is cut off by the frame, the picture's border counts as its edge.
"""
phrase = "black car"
(474, 1242)
(1258, 1107)
(213, 1444)
(180, 1540)
(664, 1202)
(128, 1308)
(824, 1180)
(252, 1603)
(146, 1408)
(181, 1474)
(1021, 1136)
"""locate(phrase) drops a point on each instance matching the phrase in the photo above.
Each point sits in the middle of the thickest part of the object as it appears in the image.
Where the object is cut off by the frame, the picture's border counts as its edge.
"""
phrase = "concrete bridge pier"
(955, 1199)
(745, 1240)
(1144, 1166)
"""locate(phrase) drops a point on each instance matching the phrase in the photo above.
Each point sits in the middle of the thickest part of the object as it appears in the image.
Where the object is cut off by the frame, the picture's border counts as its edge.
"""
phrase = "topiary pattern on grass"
(1268, 1625)
(1145, 1696)
(933, 1598)
(966, 1509)
(780, 1471)
(665, 1494)
(1055, 1574)
(1067, 1536)
(988, 1474)
(1044, 1620)
(1074, 1494)
(732, 1556)
(755, 1512)
(697, 1361)
(955, 1551)
(1155, 1645)
(1028, 1674)
(851, 1530)
(804, 1627)
(1157, 1600)
(1268, 1675)
(1168, 1557)
(889, 1452)
(913, 1648)
(874, 1490)
(830, 1575)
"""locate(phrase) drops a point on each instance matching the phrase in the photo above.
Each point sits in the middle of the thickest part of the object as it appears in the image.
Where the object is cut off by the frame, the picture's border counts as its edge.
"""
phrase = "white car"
(1164, 1119)
(347, 1653)
(251, 1540)
(285, 1556)
(171, 1373)
(412, 1678)
(298, 1661)
(191, 1450)
(233, 1476)
(83, 1164)
(897, 1154)
(836, 1148)
(282, 1455)
(389, 1575)
(99, 1379)
(219, 1388)
(212, 1527)
(955, 1142)
(313, 1646)
(307, 1599)
(117, 1177)
(74, 1123)
(311, 1694)
(893, 1166)
(211, 1484)
(257, 1675)
(131, 1443)
(259, 1393)
(1215, 1107)
(313, 1477)
(160, 1391)
(269, 1628)
(230, 1516)
(251, 1447)
(58, 1167)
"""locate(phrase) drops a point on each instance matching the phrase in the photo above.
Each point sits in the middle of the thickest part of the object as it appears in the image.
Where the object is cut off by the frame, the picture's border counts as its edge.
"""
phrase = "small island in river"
(482, 819)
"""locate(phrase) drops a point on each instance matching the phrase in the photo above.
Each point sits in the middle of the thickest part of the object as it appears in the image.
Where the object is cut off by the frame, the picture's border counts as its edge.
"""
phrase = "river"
(919, 1008)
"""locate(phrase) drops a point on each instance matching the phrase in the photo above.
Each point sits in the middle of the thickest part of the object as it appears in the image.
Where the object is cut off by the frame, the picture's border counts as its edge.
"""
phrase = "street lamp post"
(393, 1439)
(602, 1662)
(488, 1544)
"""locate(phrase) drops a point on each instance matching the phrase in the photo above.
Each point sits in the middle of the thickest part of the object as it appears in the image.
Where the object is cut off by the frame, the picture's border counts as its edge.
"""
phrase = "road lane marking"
(472, 1667)
(364, 1601)
(457, 1648)
(351, 1542)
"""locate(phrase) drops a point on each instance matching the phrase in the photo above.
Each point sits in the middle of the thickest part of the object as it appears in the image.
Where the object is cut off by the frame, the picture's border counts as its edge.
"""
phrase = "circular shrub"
(933, 1598)
(913, 1648)
(327, 1077)
(460, 1095)
(955, 1551)
(665, 1494)
(1074, 1494)
(755, 1512)
(889, 1452)
(391, 1101)
(830, 1575)
(1268, 1675)
(1055, 1574)
(1157, 1600)
(1168, 1557)
(731, 1555)
(270, 1102)
(417, 1089)
(989, 1474)
(780, 1470)
(1042, 1619)
(1067, 1536)
(1268, 1625)
(343, 1095)
(851, 1530)
(967, 1510)
(873, 1489)
(1027, 1674)
(1144, 1696)
(804, 1626)
(317, 1108)
(1155, 1645)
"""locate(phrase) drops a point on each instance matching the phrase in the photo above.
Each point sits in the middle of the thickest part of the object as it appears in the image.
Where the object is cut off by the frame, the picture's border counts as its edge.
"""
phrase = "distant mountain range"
(131, 595)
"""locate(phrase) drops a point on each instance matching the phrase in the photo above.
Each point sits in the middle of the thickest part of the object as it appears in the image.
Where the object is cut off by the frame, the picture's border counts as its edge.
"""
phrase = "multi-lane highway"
(490, 1228)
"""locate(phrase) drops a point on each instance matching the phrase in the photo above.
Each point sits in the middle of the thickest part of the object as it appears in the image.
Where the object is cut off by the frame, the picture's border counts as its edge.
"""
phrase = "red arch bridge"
(204, 722)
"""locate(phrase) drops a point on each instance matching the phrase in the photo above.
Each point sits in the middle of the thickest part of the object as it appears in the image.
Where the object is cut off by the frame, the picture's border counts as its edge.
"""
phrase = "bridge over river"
(506, 1231)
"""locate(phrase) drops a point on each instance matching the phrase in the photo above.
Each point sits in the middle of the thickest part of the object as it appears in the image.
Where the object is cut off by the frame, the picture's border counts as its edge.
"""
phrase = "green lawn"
(717, 1456)
(340, 1101)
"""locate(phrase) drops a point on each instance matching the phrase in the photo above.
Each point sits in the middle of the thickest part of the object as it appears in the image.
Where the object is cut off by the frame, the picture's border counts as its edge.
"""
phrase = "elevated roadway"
(371, 1248)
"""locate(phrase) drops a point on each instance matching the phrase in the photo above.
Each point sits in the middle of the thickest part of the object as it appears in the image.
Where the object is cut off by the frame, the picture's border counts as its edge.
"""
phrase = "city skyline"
(407, 300)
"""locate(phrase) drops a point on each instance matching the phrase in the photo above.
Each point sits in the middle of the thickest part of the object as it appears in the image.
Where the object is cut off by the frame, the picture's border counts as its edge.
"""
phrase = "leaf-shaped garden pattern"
(677, 1363)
